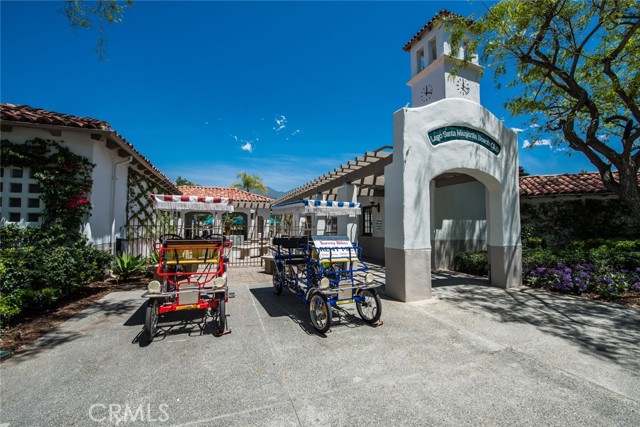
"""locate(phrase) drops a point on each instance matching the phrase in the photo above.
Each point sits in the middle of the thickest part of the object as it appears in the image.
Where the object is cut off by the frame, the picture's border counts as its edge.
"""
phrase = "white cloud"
(295, 132)
(517, 130)
(534, 126)
(247, 145)
(603, 137)
(281, 122)
(537, 143)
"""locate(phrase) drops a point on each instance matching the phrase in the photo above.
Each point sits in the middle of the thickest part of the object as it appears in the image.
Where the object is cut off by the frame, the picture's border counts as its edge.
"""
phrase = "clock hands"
(463, 87)
(426, 92)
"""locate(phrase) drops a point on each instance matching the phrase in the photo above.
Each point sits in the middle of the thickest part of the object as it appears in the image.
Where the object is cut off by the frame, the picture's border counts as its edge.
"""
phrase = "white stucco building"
(122, 176)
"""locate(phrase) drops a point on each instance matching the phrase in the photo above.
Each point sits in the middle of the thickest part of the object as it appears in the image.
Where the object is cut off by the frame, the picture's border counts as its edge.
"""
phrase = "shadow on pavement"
(605, 330)
(289, 305)
(65, 332)
(52, 339)
(187, 322)
(441, 278)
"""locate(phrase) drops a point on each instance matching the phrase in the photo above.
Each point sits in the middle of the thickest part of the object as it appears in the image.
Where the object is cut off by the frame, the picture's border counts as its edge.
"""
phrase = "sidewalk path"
(471, 356)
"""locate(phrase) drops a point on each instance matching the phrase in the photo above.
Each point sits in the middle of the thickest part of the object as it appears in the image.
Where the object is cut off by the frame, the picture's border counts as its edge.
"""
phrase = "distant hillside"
(274, 194)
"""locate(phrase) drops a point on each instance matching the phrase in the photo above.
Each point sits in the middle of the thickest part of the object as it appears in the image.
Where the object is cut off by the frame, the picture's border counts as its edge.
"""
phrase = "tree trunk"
(626, 188)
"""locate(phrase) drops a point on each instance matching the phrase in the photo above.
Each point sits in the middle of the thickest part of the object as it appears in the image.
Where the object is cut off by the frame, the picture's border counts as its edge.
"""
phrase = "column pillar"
(348, 225)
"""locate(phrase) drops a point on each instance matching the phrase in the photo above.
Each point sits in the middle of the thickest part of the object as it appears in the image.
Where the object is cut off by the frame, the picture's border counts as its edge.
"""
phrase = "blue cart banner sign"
(456, 133)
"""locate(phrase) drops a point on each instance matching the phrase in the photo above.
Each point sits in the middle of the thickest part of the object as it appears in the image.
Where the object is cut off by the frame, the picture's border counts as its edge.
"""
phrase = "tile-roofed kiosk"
(453, 183)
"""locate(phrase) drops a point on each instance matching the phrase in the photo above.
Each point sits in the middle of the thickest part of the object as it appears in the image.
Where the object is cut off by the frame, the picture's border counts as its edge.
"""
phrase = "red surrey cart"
(192, 272)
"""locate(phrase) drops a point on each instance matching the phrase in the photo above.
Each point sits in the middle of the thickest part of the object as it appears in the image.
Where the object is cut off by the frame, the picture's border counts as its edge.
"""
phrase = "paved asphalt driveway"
(474, 355)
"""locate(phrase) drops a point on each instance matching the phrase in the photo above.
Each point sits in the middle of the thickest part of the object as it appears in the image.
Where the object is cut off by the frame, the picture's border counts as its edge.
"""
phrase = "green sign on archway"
(457, 133)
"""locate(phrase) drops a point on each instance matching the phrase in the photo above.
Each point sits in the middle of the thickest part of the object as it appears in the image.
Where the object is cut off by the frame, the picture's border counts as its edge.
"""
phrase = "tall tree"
(183, 181)
(576, 64)
(82, 14)
(249, 183)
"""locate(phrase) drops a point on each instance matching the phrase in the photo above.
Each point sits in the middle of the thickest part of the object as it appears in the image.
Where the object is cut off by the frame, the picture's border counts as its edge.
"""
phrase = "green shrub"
(10, 307)
(540, 256)
(40, 298)
(471, 263)
(35, 273)
(127, 265)
(153, 259)
(12, 236)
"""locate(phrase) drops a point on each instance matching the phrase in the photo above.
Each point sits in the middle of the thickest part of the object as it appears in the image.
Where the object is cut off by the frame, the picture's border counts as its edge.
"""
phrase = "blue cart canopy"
(317, 207)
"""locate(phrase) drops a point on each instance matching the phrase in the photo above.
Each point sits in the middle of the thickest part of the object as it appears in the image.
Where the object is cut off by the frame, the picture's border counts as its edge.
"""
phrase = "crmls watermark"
(116, 414)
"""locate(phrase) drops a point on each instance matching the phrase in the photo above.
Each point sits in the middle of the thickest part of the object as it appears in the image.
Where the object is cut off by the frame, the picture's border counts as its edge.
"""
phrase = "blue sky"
(285, 90)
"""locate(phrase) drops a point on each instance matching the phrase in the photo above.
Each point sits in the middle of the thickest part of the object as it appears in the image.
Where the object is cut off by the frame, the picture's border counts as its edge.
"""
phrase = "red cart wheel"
(221, 323)
(151, 319)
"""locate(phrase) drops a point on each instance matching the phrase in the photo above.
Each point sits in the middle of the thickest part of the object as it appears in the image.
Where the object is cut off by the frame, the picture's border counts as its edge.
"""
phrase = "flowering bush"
(38, 266)
(608, 268)
(64, 178)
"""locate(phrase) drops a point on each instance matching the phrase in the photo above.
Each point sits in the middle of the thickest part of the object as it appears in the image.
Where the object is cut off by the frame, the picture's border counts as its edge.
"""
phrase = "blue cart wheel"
(370, 308)
(320, 312)
(277, 282)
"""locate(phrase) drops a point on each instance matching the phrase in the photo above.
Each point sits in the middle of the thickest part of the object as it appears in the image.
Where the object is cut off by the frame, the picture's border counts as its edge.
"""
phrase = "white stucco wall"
(109, 204)
(98, 227)
(443, 47)
(459, 212)
(416, 162)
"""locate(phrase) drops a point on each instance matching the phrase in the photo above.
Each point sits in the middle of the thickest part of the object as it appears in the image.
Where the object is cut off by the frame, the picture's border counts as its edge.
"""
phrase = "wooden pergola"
(366, 172)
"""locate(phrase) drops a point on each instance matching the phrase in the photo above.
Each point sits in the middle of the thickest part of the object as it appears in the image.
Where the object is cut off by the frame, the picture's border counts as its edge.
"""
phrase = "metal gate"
(249, 244)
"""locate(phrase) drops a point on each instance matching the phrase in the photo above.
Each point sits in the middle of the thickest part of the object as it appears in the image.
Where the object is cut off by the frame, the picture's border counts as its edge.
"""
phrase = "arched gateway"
(449, 186)
(474, 202)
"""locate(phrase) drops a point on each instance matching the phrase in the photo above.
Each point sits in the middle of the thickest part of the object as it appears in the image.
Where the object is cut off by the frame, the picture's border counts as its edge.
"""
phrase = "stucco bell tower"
(452, 185)
(432, 61)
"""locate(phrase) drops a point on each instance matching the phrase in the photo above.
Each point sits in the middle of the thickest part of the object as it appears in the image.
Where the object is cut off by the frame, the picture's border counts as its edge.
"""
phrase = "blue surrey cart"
(325, 271)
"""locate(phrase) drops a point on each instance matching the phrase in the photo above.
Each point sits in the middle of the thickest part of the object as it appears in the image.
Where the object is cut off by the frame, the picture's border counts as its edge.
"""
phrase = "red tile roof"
(27, 114)
(565, 184)
(235, 194)
(24, 113)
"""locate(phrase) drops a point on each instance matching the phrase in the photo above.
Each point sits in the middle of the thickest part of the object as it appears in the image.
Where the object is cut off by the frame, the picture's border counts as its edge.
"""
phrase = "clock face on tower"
(426, 93)
(462, 86)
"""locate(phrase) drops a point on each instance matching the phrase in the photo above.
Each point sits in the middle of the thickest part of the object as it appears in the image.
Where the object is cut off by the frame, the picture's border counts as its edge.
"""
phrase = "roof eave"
(96, 135)
(429, 26)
